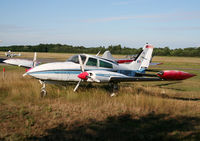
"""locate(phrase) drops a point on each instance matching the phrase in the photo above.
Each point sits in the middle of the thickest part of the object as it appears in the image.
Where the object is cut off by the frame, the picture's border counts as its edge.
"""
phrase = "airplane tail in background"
(143, 59)
(108, 55)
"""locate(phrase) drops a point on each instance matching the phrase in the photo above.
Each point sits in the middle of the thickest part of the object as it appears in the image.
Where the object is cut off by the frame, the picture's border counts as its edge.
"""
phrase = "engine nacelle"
(174, 75)
(89, 76)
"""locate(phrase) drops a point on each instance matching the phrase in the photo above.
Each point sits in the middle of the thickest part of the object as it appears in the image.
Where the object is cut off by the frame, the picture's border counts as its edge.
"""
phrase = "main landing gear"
(115, 88)
(43, 92)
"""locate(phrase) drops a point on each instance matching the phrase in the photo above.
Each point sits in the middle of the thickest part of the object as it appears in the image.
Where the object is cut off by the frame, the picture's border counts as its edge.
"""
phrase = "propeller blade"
(24, 74)
(34, 59)
(98, 53)
(77, 85)
(81, 63)
(96, 80)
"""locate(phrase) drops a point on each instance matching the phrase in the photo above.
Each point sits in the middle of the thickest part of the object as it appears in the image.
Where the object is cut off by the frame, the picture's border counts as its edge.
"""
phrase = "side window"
(105, 64)
(74, 59)
(92, 62)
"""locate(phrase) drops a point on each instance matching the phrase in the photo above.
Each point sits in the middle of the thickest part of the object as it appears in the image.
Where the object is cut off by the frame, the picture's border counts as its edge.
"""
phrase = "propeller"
(34, 59)
(77, 85)
(34, 64)
(89, 76)
(98, 53)
(81, 63)
(82, 69)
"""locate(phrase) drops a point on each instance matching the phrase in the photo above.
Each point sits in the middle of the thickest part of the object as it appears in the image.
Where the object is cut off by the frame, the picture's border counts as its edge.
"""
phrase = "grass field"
(141, 111)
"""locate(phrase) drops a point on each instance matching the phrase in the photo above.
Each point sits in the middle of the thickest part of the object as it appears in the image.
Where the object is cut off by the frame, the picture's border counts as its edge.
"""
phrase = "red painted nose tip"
(28, 69)
(83, 75)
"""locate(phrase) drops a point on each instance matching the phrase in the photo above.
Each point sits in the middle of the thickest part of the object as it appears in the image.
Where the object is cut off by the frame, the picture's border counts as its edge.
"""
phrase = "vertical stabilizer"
(143, 59)
(108, 55)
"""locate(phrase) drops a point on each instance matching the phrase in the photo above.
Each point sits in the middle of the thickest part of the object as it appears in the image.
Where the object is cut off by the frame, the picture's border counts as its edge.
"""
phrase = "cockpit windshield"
(76, 60)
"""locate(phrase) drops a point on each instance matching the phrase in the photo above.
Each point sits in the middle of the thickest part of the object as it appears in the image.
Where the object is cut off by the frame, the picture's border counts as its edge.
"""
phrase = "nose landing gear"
(43, 92)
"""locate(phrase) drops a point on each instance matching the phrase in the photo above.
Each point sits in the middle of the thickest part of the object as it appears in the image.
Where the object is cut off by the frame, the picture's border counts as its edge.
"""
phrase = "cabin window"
(76, 60)
(105, 64)
(92, 62)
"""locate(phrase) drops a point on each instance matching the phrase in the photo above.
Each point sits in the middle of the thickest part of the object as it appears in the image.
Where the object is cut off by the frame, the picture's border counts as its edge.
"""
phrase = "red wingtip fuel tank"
(174, 75)
(83, 75)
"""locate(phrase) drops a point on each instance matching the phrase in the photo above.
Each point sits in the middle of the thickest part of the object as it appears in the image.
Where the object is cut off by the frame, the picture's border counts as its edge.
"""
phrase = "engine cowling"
(174, 75)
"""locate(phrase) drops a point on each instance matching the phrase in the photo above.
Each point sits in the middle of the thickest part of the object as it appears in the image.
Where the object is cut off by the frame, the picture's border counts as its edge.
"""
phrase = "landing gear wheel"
(113, 94)
(115, 88)
(43, 93)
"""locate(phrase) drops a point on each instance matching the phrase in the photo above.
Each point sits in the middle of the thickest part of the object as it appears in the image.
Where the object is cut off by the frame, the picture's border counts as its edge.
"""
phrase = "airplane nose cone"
(83, 75)
(32, 71)
(29, 69)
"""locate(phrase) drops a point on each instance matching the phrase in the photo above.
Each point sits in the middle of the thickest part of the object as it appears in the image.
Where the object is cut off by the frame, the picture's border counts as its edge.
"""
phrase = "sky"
(92, 23)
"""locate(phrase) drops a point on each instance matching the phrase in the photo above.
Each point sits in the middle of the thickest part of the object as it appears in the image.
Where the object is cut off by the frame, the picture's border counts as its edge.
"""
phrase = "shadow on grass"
(170, 83)
(163, 95)
(124, 127)
(166, 84)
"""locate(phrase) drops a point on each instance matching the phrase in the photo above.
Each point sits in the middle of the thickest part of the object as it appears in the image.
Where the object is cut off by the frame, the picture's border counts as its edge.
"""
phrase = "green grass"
(141, 111)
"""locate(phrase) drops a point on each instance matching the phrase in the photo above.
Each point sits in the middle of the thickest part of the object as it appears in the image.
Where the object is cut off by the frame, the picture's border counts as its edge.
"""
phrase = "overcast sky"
(131, 23)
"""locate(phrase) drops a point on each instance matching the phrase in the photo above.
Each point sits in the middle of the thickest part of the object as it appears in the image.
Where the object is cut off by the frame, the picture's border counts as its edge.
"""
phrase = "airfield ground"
(141, 111)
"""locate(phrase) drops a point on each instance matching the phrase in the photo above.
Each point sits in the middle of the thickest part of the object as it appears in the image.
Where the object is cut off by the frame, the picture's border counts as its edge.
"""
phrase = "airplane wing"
(20, 62)
(168, 75)
(23, 62)
(107, 76)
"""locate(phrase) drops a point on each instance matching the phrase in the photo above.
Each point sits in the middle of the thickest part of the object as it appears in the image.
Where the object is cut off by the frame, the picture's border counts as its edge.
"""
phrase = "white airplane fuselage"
(92, 68)
(69, 71)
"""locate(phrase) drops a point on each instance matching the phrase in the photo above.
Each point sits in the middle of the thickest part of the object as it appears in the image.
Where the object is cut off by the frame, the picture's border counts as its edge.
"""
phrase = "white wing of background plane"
(23, 62)
(19, 62)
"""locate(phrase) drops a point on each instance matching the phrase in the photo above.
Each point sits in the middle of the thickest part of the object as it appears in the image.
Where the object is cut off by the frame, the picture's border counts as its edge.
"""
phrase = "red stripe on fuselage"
(149, 46)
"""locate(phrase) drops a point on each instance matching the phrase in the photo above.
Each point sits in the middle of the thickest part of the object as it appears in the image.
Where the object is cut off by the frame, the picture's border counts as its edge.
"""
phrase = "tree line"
(117, 49)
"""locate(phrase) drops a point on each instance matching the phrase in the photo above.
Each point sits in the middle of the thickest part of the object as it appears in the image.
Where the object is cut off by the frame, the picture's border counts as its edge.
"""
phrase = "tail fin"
(143, 59)
(108, 55)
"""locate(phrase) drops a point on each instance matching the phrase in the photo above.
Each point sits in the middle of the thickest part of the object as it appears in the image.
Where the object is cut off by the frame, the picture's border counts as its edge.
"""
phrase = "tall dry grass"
(132, 97)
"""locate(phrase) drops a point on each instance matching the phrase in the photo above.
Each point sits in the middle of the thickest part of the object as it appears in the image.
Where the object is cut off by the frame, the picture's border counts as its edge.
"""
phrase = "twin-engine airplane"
(89, 68)
(10, 54)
